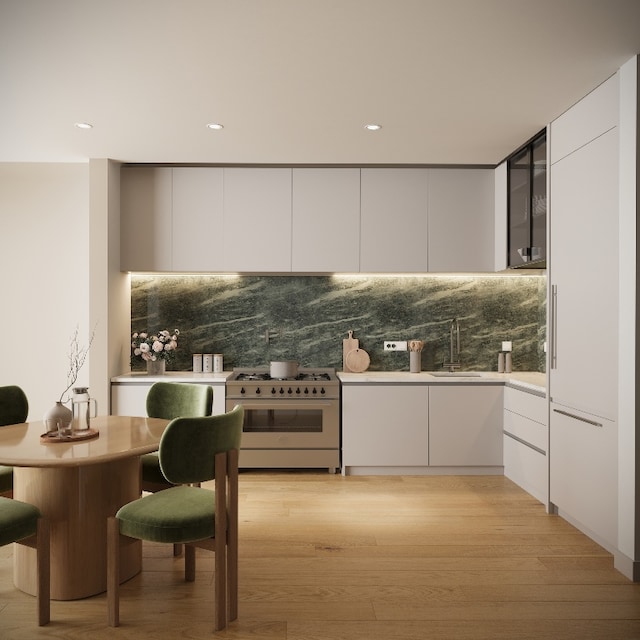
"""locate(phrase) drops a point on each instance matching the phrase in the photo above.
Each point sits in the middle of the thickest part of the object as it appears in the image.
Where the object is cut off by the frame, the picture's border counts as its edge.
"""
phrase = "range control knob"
(290, 391)
(315, 391)
(322, 391)
(273, 391)
(281, 391)
(298, 392)
(258, 392)
(242, 391)
(306, 391)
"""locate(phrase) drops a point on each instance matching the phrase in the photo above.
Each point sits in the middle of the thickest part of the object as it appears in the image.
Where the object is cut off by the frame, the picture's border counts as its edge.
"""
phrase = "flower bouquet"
(147, 347)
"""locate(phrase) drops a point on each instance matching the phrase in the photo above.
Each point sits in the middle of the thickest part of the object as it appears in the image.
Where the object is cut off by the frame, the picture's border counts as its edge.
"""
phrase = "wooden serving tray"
(76, 436)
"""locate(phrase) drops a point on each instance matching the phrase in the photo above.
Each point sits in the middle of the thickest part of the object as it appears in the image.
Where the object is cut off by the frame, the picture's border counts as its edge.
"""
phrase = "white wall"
(44, 217)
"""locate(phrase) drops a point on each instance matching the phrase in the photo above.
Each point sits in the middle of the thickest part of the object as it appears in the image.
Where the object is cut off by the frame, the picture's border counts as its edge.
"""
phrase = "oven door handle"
(285, 404)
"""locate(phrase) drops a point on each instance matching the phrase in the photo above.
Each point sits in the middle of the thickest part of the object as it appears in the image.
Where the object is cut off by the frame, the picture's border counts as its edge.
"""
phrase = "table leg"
(77, 501)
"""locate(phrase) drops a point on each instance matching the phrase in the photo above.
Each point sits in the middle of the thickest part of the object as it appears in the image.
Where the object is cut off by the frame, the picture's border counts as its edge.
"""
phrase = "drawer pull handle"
(575, 417)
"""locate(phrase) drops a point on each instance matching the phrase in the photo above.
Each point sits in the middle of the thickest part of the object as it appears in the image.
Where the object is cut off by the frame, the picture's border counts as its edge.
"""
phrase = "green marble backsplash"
(307, 317)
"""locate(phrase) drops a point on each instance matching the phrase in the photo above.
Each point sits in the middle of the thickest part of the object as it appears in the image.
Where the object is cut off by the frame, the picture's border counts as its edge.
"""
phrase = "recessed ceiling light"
(372, 127)
(215, 125)
(84, 125)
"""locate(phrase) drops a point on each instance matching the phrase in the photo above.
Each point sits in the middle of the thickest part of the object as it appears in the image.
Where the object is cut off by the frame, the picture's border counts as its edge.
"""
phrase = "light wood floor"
(362, 558)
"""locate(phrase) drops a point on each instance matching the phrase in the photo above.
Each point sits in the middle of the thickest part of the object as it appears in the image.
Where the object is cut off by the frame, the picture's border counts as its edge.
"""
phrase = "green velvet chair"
(171, 400)
(22, 523)
(192, 451)
(14, 408)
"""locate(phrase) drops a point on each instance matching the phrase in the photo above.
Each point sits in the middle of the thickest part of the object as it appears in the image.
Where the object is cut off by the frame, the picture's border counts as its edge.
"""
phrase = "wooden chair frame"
(224, 544)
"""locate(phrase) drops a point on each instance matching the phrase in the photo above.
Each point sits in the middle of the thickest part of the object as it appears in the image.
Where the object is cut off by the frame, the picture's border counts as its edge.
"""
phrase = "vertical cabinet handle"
(554, 326)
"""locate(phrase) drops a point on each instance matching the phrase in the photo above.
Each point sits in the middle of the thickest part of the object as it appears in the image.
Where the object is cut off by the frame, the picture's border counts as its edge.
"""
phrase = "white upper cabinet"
(326, 220)
(393, 225)
(461, 220)
(257, 219)
(500, 217)
(197, 219)
(307, 220)
(595, 114)
(145, 213)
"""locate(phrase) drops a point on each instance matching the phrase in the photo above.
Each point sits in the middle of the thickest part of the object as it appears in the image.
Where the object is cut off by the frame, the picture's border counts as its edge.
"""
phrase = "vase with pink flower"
(154, 349)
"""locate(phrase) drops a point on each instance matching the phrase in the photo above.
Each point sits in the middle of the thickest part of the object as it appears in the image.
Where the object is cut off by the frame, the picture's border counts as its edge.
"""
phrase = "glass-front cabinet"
(527, 205)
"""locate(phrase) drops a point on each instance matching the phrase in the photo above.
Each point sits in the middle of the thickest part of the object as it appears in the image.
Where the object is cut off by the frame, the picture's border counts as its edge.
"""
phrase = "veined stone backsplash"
(307, 317)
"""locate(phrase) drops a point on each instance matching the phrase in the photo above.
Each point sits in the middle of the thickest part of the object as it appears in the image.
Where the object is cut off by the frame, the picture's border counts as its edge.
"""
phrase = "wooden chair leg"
(232, 539)
(177, 550)
(43, 555)
(189, 562)
(113, 571)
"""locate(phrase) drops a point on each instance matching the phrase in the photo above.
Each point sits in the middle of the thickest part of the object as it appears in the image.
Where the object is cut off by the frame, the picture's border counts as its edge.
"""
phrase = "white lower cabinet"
(130, 398)
(385, 425)
(416, 428)
(526, 437)
(465, 425)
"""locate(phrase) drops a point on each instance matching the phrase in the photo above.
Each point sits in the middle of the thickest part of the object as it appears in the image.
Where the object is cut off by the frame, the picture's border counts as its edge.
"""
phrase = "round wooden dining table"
(78, 484)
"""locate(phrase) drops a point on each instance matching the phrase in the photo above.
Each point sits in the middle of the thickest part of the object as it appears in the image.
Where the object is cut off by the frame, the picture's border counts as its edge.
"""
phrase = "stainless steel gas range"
(289, 423)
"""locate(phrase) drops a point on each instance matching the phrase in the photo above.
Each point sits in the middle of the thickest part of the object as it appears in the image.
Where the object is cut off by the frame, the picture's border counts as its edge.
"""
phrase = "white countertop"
(532, 380)
(141, 377)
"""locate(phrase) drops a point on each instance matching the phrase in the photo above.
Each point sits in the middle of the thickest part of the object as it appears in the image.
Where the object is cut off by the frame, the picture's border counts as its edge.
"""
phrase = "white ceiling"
(294, 81)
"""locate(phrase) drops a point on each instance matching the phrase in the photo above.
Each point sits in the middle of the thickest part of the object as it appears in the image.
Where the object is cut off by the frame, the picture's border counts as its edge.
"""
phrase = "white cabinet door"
(500, 217)
(145, 219)
(465, 425)
(326, 220)
(584, 277)
(257, 219)
(197, 219)
(461, 220)
(595, 114)
(583, 476)
(384, 425)
(393, 226)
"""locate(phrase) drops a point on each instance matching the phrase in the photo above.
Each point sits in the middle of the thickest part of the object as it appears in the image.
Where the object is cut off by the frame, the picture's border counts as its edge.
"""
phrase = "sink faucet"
(454, 346)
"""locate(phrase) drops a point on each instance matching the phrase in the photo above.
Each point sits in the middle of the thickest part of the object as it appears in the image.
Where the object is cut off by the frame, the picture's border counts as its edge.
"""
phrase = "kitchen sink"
(455, 374)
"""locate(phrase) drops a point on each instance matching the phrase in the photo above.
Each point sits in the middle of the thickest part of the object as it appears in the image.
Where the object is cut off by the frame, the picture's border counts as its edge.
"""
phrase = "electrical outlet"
(395, 345)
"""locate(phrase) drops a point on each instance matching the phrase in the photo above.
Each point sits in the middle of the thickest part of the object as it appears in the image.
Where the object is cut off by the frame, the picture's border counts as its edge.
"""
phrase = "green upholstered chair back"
(14, 406)
(171, 400)
(189, 445)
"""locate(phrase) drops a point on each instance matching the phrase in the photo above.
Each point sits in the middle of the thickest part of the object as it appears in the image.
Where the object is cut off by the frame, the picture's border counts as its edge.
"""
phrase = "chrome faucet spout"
(454, 346)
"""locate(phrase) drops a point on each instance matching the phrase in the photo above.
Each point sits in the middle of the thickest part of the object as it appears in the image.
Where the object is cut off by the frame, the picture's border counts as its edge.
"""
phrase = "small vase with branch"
(58, 419)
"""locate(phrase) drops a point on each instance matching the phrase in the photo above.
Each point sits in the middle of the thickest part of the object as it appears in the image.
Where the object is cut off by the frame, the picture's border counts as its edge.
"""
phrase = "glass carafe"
(81, 409)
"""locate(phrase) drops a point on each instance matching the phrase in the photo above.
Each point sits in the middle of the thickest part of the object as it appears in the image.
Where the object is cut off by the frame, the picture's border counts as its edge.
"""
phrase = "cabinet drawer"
(526, 404)
(526, 467)
(527, 430)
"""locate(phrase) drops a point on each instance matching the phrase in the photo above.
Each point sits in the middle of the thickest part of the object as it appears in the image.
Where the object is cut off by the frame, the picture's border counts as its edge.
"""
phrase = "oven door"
(293, 424)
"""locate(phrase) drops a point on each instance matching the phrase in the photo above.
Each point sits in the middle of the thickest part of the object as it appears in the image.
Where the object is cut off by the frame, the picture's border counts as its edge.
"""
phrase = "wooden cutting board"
(358, 360)
(348, 344)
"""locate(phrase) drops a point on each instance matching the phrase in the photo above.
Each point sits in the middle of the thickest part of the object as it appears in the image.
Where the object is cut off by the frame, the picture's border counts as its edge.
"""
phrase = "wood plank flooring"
(324, 557)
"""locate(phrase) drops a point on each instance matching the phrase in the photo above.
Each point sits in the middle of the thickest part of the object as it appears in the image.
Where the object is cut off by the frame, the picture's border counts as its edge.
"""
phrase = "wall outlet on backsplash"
(395, 345)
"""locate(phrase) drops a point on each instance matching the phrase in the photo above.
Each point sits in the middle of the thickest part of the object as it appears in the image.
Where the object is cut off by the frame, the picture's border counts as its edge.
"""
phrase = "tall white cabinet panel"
(584, 276)
(465, 425)
(385, 425)
(197, 219)
(257, 219)
(326, 220)
(145, 219)
(461, 220)
(393, 228)
(584, 194)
